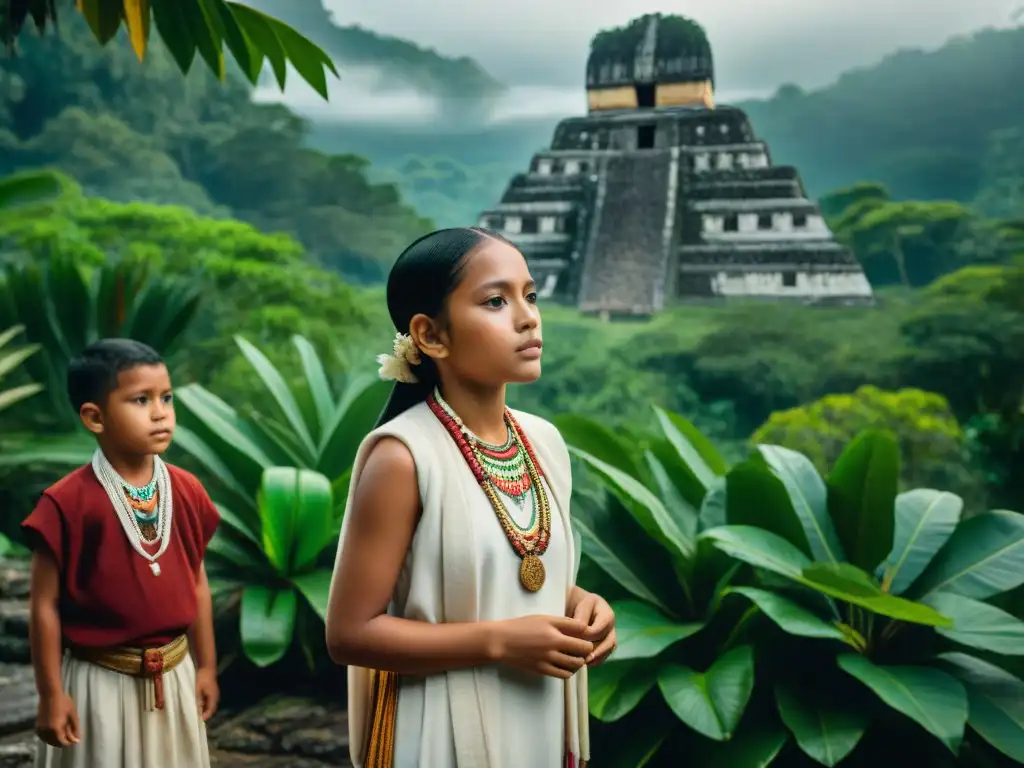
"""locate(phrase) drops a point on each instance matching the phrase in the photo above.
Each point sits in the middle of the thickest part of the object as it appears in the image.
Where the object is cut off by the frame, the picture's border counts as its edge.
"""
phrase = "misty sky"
(758, 44)
(540, 46)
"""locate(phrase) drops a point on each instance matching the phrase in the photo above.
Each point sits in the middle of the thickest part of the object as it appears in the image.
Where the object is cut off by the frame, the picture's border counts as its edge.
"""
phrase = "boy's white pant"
(117, 731)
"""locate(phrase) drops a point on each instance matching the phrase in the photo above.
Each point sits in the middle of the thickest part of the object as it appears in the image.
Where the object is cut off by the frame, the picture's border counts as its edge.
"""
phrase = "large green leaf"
(848, 583)
(763, 549)
(237, 525)
(925, 519)
(862, 489)
(205, 31)
(996, 702)
(211, 462)
(827, 731)
(68, 292)
(932, 698)
(983, 557)
(978, 624)
(308, 59)
(809, 495)
(759, 548)
(267, 623)
(693, 448)
(713, 506)
(645, 507)
(357, 411)
(249, 59)
(756, 496)
(711, 702)
(104, 18)
(296, 517)
(753, 746)
(278, 389)
(257, 29)
(217, 424)
(8, 397)
(617, 687)
(172, 24)
(642, 632)
(318, 384)
(70, 450)
(791, 617)
(597, 440)
(282, 445)
(233, 551)
(315, 586)
(673, 501)
(617, 549)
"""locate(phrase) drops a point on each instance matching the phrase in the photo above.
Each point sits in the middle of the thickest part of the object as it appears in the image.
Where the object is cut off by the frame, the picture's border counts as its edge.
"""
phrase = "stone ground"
(279, 732)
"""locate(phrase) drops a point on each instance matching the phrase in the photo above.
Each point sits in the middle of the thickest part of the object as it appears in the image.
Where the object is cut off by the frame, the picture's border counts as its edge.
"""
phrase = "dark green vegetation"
(939, 125)
(814, 567)
(675, 33)
(129, 131)
(792, 619)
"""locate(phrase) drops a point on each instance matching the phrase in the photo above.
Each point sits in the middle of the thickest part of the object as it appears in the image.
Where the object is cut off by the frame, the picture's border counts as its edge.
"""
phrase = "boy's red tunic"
(109, 594)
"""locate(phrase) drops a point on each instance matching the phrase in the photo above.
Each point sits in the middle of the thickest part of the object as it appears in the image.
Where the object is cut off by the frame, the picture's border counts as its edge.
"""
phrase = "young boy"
(119, 592)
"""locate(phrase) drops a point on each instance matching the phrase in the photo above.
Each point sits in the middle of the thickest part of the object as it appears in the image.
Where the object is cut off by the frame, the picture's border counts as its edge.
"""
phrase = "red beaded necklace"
(530, 542)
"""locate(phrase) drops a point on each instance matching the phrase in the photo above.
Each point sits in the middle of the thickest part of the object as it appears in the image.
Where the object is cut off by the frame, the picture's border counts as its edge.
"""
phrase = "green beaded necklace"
(141, 494)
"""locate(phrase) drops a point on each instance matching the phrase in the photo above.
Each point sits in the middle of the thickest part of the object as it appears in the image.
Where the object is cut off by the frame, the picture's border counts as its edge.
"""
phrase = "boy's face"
(138, 416)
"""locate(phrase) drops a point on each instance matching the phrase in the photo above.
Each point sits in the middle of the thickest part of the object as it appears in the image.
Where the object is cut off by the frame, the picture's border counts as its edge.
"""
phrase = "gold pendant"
(531, 572)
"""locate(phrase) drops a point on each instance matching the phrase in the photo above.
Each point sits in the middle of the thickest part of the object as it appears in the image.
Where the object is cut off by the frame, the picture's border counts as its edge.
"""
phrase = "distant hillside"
(401, 63)
(921, 122)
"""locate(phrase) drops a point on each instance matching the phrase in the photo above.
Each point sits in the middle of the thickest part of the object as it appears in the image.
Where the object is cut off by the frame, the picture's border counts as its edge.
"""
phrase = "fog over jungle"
(539, 47)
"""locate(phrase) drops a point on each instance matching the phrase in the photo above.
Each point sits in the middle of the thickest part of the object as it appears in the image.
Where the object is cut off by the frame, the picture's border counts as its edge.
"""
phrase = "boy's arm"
(44, 624)
(205, 650)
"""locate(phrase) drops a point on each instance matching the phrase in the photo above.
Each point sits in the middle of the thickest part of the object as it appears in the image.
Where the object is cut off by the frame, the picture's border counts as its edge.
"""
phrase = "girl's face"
(492, 334)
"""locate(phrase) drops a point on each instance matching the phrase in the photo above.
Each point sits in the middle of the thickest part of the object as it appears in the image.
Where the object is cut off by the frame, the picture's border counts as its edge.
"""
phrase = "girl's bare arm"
(382, 521)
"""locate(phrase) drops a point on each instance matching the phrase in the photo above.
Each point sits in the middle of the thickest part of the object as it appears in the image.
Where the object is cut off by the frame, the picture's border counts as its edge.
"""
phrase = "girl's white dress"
(461, 567)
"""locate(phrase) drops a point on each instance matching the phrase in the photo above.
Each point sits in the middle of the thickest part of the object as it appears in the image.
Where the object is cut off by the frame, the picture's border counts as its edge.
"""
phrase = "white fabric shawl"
(444, 482)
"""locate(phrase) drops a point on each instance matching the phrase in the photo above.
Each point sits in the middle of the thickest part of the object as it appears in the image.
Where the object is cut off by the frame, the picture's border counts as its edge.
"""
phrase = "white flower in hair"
(398, 365)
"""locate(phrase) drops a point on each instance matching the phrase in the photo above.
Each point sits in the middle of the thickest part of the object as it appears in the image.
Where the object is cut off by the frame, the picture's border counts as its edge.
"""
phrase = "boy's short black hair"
(92, 375)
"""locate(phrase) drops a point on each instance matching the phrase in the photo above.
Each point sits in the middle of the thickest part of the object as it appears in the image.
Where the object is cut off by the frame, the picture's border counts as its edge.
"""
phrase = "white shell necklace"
(112, 483)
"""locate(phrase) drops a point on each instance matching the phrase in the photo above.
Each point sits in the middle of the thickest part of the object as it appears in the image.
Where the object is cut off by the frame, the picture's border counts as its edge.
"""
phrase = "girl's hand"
(599, 618)
(207, 692)
(57, 720)
(548, 645)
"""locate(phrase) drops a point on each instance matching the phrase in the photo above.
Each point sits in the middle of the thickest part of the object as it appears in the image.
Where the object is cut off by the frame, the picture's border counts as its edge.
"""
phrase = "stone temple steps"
(625, 261)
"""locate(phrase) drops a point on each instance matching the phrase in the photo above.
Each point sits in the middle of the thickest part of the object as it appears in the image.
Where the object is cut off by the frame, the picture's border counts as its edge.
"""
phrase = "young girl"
(120, 599)
(453, 599)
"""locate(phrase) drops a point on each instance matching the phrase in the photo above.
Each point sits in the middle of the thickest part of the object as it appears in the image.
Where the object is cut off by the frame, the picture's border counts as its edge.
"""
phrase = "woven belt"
(147, 663)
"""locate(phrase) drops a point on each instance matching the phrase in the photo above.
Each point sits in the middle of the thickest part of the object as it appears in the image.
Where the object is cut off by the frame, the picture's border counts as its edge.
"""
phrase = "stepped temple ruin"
(658, 196)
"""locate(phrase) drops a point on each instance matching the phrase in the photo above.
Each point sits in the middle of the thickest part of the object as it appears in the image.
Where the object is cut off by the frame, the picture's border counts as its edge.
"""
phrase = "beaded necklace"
(147, 512)
(157, 518)
(141, 494)
(511, 469)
